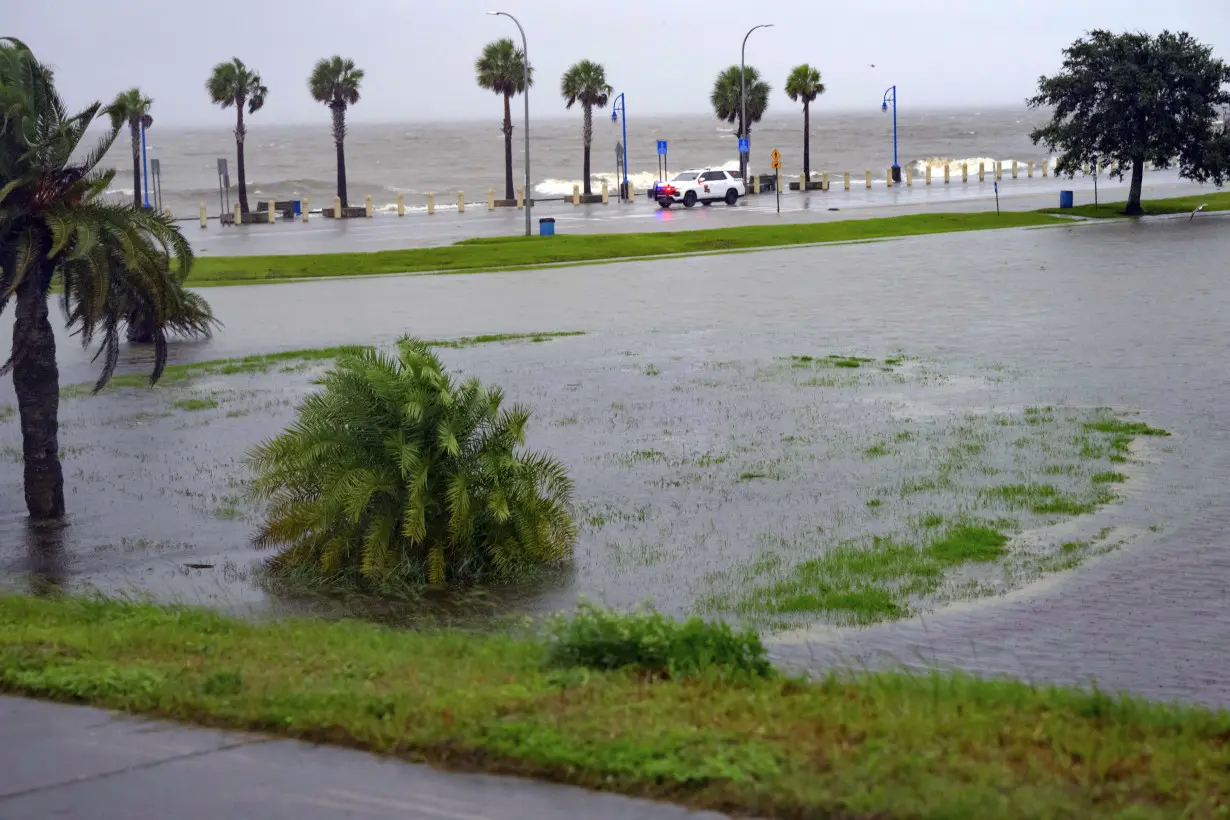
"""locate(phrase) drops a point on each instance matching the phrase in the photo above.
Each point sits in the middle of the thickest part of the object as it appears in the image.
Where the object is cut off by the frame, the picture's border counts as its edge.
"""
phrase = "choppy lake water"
(697, 442)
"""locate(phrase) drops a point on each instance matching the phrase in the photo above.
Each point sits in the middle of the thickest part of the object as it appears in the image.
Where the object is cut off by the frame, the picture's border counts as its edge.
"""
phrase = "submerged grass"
(938, 745)
(524, 252)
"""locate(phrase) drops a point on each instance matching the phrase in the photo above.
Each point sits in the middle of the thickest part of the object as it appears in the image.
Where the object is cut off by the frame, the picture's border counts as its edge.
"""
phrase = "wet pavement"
(76, 762)
(417, 229)
(1126, 315)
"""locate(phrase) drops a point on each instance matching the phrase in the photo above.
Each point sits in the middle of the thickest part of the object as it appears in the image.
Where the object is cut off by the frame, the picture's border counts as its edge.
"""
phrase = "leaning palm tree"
(501, 68)
(727, 98)
(235, 84)
(131, 108)
(804, 84)
(396, 471)
(586, 83)
(335, 82)
(56, 225)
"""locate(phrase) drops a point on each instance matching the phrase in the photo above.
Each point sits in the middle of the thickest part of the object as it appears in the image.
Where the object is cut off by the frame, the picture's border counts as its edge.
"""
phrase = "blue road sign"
(661, 148)
(743, 146)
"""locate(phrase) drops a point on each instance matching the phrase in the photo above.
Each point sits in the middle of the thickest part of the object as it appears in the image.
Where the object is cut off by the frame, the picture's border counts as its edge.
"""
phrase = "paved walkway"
(75, 762)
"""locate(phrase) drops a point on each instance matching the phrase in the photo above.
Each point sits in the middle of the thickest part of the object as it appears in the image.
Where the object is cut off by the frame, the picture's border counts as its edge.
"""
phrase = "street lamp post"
(144, 166)
(743, 98)
(884, 107)
(525, 56)
(618, 108)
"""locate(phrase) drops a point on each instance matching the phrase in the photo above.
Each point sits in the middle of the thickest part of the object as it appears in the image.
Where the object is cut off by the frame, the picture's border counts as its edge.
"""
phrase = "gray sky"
(419, 54)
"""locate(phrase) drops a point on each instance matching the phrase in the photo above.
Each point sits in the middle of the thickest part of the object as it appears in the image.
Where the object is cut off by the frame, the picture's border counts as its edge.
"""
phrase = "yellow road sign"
(776, 156)
(777, 164)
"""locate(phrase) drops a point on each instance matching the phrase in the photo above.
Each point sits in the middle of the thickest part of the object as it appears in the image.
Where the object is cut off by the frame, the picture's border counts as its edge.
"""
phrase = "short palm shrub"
(650, 642)
(396, 471)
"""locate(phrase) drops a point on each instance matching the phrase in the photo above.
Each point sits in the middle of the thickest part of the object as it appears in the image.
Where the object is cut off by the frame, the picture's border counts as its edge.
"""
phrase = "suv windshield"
(685, 176)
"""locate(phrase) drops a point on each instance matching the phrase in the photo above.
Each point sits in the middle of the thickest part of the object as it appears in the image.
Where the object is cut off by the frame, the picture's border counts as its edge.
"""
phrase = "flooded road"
(688, 359)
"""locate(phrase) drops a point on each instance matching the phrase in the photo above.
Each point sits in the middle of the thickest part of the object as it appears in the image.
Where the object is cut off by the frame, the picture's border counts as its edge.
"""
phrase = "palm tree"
(586, 83)
(131, 107)
(335, 82)
(804, 84)
(394, 471)
(501, 68)
(235, 84)
(56, 225)
(726, 98)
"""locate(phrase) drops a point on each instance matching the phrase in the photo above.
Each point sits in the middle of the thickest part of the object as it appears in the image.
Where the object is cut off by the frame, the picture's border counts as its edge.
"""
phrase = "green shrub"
(395, 471)
(650, 642)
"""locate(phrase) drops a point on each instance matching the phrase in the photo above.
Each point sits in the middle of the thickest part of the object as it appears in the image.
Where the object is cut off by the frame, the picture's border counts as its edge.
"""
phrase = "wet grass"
(941, 745)
(1215, 201)
(6, 412)
(196, 404)
(494, 338)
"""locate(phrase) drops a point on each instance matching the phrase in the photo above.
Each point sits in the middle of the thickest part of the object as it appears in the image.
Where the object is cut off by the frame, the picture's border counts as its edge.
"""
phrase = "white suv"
(705, 185)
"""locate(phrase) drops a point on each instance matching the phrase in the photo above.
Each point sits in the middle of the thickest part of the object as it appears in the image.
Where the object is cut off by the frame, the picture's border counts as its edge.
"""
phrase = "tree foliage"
(501, 68)
(1135, 99)
(726, 97)
(585, 83)
(804, 85)
(396, 470)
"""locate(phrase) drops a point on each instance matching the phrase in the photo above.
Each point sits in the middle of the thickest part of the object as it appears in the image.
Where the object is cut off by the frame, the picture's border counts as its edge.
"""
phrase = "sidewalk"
(77, 762)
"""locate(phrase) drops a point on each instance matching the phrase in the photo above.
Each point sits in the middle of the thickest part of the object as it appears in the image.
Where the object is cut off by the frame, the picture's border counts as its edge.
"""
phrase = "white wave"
(919, 167)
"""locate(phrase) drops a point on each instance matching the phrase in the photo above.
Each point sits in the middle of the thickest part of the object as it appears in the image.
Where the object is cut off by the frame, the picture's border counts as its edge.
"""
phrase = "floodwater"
(697, 442)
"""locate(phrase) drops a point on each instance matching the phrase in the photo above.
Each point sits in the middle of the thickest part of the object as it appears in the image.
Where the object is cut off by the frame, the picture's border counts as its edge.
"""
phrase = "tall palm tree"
(131, 108)
(335, 82)
(235, 84)
(726, 98)
(586, 83)
(501, 68)
(108, 259)
(804, 84)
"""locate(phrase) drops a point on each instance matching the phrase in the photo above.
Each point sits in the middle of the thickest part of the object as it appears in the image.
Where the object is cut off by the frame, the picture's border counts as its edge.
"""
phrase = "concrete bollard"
(1014, 169)
(888, 177)
(868, 179)
(337, 207)
(947, 170)
(367, 206)
(845, 179)
(909, 178)
(606, 195)
(461, 202)
(824, 181)
(306, 207)
(803, 182)
(167, 213)
(964, 172)
(271, 214)
(982, 172)
(238, 215)
(490, 199)
(1045, 163)
(755, 185)
(1031, 169)
(999, 170)
(204, 217)
(928, 174)
(576, 194)
(401, 204)
(521, 197)
(631, 192)
(431, 204)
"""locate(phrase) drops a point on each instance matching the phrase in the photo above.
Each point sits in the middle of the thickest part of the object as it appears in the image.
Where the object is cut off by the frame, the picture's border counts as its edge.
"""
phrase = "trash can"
(1065, 199)
(546, 226)
(298, 207)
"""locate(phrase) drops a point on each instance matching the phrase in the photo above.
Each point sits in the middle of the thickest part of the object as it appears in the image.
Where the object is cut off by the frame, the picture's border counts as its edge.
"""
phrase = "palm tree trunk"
(240, 132)
(339, 139)
(36, 381)
(807, 141)
(135, 130)
(587, 134)
(1138, 178)
(508, 132)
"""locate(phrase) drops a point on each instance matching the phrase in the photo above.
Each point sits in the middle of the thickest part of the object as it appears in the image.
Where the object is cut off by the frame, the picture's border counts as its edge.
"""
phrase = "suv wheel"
(664, 202)
(732, 196)
(689, 199)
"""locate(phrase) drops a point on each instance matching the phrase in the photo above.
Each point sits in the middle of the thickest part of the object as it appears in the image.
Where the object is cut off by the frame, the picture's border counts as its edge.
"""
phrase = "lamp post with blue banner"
(743, 98)
(616, 110)
(884, 107)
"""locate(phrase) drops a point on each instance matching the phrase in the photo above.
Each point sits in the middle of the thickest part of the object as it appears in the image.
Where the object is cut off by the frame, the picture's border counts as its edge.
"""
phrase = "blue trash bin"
(546, 226)
(1065, 199)
(298, 207)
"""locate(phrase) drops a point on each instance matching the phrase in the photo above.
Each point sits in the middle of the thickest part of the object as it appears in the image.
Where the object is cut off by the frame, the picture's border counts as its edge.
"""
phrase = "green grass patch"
(1108, 478)
(190, 405)
(520, 252)
(876, 450)
(874, 503)
(968, 543)
(1215, 201)
(1119, 427)
(938, 745)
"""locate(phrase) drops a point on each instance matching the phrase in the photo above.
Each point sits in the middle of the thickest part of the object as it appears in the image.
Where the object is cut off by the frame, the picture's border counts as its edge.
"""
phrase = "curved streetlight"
(525, 56)
(884, 107)
(618, 108)
(747, 132)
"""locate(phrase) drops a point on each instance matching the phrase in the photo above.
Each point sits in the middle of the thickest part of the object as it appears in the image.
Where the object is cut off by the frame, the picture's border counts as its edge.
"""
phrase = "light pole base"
(896, 173)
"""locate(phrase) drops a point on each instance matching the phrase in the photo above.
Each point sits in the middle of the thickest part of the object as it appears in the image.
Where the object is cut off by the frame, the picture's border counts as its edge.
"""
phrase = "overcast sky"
(419, 54)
